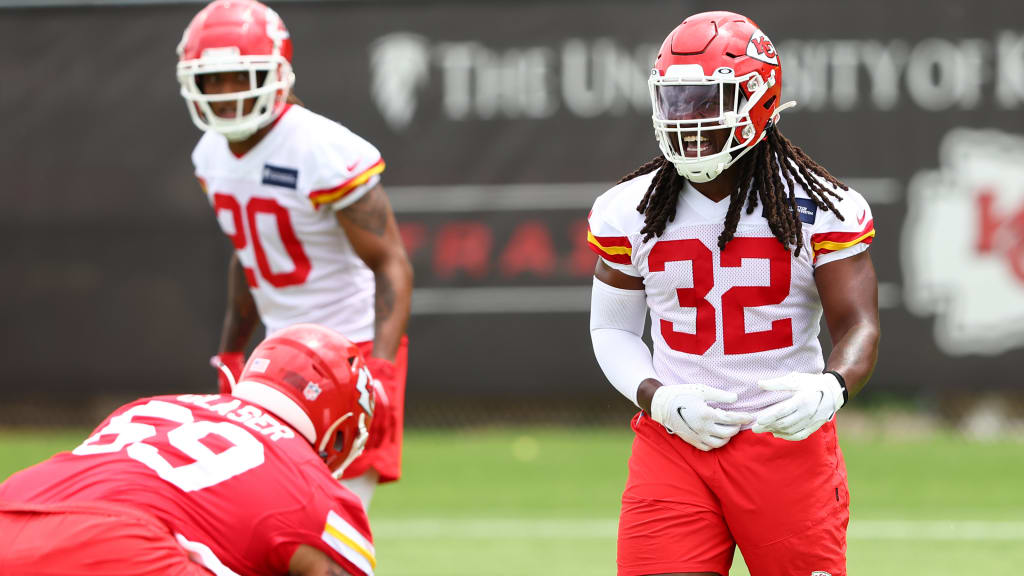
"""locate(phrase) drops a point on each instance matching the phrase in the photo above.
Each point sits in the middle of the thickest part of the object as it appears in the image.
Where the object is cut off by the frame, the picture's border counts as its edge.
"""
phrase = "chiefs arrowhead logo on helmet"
(715, 88)
(761, 48)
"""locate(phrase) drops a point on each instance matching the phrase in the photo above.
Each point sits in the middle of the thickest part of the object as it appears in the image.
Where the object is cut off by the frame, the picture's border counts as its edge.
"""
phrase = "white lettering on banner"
(400, 64)
(963, 243)
(1010, 71)
(884, 73)
(596, 77)
(601, 78)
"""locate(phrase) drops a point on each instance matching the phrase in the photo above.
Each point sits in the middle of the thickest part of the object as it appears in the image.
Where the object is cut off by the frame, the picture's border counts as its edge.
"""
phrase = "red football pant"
(785, 504)
(88, 539)
(384, 449)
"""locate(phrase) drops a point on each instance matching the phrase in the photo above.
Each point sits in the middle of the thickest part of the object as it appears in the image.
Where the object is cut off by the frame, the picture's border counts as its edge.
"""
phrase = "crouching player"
(198, 484)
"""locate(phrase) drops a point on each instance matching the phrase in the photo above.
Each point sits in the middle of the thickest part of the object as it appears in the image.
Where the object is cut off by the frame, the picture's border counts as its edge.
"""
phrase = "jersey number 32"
(735, 338)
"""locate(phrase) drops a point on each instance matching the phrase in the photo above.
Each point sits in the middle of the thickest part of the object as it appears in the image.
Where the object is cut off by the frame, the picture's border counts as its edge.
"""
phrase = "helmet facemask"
(702, 123)
(270, 82)
(356, 447)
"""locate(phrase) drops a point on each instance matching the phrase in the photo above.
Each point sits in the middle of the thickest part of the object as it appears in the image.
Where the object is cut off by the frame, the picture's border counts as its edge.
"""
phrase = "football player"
(737, 242)
(300, 198)
(197, 484)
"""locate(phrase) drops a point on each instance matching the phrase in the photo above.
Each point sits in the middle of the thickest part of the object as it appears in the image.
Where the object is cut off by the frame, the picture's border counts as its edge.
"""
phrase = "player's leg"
(671, 522)
(363, 486)
(787, 503)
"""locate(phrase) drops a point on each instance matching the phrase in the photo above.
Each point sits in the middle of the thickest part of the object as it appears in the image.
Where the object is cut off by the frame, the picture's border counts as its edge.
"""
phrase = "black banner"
(500, 123)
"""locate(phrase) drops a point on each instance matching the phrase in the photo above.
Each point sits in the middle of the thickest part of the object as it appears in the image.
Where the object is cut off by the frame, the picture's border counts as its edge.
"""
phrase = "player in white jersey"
(737, 242)
(300, 198)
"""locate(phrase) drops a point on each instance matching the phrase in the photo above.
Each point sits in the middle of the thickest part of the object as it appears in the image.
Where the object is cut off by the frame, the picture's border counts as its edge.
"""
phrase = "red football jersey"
(236, 486)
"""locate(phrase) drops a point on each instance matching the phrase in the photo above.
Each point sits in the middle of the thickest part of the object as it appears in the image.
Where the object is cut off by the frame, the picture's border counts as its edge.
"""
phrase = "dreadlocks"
(760, 179)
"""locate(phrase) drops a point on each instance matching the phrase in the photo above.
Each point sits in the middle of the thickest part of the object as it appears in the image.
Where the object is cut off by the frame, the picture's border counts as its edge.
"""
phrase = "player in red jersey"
(736, 242)
(198, 484)
(299, 195)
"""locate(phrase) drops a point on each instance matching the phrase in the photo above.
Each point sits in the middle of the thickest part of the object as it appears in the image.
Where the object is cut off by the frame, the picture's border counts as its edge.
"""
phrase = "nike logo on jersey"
(860, 219)
(352, 166)
(278, 176)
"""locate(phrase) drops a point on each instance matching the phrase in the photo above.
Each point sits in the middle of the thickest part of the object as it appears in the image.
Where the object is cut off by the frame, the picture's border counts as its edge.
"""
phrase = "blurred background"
(501, 121)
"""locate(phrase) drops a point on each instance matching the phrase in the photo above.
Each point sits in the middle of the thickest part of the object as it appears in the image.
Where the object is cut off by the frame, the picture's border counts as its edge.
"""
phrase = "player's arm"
(848, 289)
(241, 316)
(310, 561)
(370, 226)
(849, 295)
(617, 313)
(629, 300)
(240, 321)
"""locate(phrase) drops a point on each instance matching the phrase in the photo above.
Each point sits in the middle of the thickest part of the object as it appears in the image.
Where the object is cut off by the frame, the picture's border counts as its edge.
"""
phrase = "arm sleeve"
(607, 239)
(347, 167)
(616, 330)
(834, 239)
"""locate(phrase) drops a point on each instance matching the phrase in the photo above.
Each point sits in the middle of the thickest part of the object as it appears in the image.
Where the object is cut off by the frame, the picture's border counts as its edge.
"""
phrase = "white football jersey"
(277, 204)
(727, 319)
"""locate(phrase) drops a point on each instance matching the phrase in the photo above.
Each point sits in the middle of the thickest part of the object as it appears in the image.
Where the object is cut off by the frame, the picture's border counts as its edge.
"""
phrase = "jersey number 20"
(735, 338)
(289, 239)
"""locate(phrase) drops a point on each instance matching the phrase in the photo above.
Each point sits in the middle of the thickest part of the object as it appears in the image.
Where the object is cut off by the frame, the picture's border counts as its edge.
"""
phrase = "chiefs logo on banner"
(963, 243)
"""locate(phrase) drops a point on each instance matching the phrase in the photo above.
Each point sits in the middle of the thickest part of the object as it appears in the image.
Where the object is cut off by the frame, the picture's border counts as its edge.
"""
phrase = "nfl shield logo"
(311, 392)
(820, 573)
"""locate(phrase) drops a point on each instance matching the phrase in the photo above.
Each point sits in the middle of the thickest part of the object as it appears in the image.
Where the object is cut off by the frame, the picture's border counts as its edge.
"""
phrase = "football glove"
(683, 411)
(229, 367)
(384, 424)
(815, 400)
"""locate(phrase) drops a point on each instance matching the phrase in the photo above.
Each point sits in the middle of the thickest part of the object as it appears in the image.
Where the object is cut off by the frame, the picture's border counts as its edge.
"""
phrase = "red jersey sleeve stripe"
(615, 249)
(331, 195)
(833, 241)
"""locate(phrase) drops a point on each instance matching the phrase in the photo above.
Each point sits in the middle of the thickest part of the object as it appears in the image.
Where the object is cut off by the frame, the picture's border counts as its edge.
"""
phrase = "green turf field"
(544, 501)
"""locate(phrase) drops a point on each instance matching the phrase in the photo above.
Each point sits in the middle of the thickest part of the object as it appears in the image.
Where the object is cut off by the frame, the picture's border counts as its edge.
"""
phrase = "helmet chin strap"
(227, 373)
(703, 172)
(357, 447)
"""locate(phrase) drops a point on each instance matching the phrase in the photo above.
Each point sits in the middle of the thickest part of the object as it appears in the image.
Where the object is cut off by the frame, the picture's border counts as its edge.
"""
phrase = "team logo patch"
(312, 391)
(283, 177)
(806, 210)
(821, 573)
(761, 48)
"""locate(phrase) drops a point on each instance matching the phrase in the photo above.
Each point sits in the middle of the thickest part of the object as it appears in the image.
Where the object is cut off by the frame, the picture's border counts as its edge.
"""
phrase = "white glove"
(815, 400)
(683, 411)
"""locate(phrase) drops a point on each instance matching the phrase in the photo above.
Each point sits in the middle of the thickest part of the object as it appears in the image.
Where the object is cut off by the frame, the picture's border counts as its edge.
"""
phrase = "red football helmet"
(717, 78)
(317, 381)
(233, 36)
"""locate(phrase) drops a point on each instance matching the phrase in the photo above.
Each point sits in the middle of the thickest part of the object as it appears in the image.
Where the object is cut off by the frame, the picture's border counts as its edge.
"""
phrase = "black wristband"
(842, 384)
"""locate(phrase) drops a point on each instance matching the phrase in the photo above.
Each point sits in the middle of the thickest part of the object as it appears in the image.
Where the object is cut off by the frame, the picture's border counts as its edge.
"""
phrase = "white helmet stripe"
(279, 404)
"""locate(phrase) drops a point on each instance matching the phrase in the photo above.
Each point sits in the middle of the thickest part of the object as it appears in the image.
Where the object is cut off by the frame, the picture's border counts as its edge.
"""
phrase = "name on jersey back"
(245, 414)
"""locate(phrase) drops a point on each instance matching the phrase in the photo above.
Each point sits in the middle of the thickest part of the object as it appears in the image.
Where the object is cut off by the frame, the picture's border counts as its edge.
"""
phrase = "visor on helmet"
(701, 124)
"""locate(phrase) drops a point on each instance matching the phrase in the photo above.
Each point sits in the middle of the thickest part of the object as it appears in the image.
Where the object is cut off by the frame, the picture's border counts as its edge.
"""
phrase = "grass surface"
(545, 501)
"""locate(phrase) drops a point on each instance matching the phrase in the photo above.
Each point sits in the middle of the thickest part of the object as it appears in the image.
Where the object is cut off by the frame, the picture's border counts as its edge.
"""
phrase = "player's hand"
(233, 362)
(383, 373)
(815, 400)
(683, 411)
